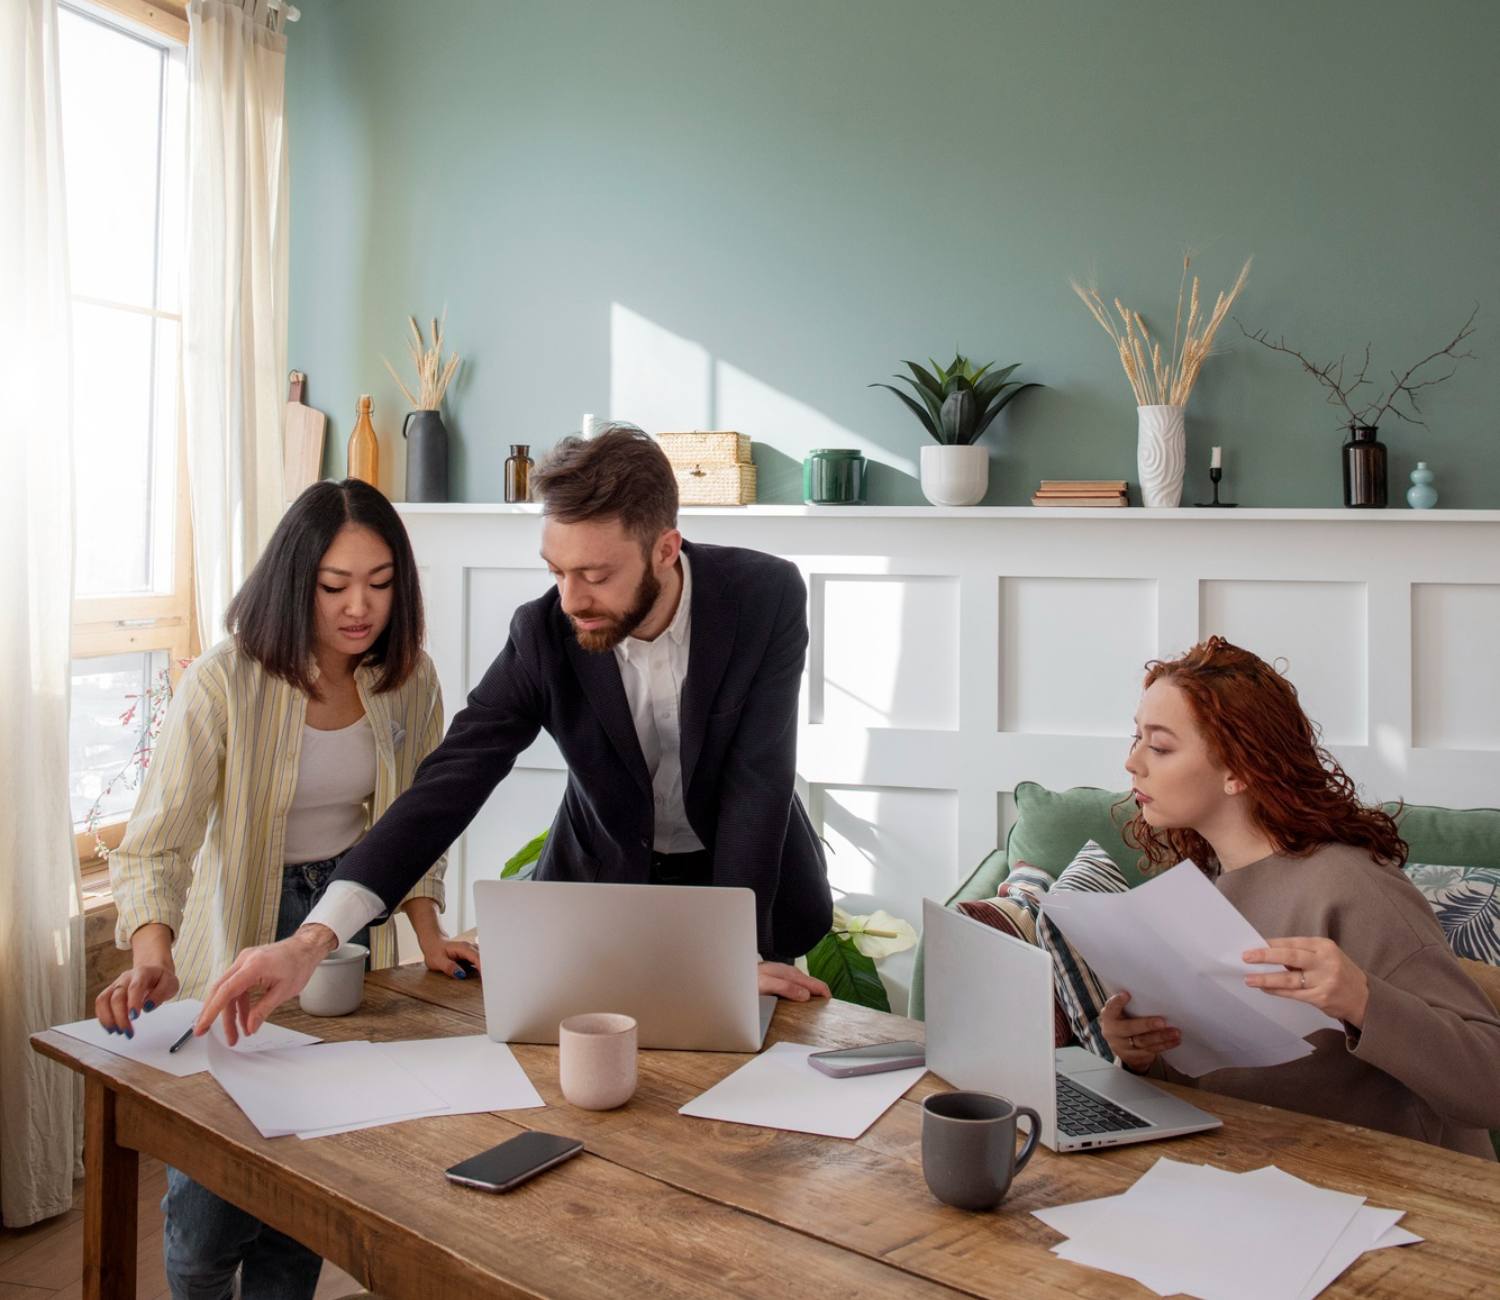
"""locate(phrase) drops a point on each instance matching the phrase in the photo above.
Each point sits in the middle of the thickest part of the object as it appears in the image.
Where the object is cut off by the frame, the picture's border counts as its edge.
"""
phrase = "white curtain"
(41, 929)
(234, 292)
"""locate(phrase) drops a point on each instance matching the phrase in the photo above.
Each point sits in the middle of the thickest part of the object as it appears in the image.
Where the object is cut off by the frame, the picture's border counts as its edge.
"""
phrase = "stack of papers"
(779, 1089)
(1175, 943)
(1204, 1232)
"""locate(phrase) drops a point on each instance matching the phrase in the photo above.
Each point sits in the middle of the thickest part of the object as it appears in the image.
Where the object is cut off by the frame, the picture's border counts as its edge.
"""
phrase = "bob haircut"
(620, 473)
(1253, 723)
(273, 617)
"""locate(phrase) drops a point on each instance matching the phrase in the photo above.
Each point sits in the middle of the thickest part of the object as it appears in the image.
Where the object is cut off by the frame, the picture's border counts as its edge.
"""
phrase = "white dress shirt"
(652, 673)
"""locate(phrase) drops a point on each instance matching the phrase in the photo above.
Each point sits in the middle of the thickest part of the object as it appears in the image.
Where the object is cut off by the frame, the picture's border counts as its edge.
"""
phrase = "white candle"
(1218, 460)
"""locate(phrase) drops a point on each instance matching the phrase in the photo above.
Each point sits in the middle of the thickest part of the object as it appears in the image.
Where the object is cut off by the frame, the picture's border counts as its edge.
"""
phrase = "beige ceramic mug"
(596, 1060)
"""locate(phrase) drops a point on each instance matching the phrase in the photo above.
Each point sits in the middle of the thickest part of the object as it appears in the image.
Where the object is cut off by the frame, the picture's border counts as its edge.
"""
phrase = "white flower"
(877, 935)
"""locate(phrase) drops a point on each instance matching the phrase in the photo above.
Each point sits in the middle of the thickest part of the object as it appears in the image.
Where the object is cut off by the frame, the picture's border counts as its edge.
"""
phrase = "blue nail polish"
(129, 1032)
(150, 1005)
(135, 1013)
(459, 974)
(109, 1029)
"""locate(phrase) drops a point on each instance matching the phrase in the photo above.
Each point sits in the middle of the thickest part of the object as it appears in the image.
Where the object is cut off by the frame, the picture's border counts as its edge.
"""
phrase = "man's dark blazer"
(738, 740)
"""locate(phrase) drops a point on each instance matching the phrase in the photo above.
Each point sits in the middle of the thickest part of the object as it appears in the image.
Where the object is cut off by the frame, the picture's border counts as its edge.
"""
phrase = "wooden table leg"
(111, 1190)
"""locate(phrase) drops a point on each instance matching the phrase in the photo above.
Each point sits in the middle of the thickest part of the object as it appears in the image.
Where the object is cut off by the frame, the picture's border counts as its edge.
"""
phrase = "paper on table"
(157, 1030)
(298, 1089)
(1203, 1231)
(1175, 943)
(779, 1089)
(469, 1075)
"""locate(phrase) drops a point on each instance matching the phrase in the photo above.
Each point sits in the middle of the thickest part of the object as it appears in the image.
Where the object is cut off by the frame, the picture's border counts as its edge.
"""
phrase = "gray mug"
(969, 1147)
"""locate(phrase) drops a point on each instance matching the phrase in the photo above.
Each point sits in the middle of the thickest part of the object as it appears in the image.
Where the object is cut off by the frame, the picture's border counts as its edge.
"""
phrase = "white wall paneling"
(956, 653)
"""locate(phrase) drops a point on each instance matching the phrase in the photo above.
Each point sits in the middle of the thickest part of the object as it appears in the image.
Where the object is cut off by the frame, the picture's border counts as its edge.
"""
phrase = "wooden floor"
(45, 1261)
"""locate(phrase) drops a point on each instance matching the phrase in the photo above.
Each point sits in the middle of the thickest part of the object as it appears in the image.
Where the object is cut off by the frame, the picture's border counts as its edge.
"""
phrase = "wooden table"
(662, 1205)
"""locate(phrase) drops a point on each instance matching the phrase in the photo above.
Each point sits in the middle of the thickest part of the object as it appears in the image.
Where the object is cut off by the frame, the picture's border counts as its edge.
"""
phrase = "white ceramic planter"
(1161, 455)
(955, 475)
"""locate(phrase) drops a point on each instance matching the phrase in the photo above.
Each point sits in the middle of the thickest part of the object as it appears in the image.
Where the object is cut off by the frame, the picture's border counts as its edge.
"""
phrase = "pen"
(187, 1033)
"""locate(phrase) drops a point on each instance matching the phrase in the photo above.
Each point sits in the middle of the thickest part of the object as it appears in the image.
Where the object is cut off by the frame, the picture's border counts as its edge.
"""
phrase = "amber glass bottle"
(364, 450)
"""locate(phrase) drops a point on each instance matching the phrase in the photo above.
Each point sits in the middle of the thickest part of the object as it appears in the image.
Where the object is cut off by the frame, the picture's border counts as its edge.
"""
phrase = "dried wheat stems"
(1159, 381)
(432, 376)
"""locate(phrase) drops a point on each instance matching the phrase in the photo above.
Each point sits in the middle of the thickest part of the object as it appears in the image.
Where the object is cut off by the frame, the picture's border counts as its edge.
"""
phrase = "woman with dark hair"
(281, 746)
(1228, 773)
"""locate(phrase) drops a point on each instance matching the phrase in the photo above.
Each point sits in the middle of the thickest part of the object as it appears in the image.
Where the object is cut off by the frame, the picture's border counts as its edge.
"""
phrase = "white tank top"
(335, 776)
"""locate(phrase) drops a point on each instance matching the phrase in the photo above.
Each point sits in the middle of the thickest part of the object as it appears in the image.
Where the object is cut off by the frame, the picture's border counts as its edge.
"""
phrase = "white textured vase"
(1161, 455)
(955, 475)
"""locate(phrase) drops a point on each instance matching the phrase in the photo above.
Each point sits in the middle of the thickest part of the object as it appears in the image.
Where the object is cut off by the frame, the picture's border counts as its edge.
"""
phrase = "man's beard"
(601, 639)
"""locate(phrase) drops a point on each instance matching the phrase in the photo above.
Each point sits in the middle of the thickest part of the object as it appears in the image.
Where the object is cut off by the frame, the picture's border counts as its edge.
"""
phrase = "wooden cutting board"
(303, 440)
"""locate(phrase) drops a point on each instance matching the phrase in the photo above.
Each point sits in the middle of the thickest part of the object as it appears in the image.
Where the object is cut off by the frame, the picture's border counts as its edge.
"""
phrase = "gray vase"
(426, 456)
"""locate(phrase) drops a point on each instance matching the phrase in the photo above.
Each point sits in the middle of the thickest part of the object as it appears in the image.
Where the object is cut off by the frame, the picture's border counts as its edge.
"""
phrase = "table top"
(665, 1205)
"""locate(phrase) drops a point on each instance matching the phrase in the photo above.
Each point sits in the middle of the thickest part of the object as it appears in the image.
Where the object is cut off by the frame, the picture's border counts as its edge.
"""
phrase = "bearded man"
(668, 674)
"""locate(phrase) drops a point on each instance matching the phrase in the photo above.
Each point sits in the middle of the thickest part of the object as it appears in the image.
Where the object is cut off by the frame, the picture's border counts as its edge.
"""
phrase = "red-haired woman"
(1228, 773)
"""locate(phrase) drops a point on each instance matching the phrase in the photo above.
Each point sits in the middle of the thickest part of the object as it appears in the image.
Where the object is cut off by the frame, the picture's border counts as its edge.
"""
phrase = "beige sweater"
(1427, 1063)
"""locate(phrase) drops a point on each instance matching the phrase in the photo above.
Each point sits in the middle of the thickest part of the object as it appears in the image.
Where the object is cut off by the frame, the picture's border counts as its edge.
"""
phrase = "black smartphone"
(870, 1059)
(511, 1163)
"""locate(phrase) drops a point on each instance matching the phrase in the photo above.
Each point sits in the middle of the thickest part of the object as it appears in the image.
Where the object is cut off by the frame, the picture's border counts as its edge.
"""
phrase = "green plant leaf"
(847, 972)
(928, 381)
(927, 420)
(995, 382)
(960, 415)
(530, 853)
(933, 401)
(1000, 403)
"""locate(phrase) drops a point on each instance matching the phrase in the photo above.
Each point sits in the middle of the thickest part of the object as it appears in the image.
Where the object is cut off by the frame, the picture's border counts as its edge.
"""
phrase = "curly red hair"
(1249, 715)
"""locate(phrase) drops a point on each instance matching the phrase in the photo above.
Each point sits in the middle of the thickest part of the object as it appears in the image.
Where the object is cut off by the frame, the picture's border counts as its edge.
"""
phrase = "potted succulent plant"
(956, 405)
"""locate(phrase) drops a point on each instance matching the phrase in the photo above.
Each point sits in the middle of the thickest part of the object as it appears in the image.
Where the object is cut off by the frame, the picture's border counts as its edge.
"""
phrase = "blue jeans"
(206, 1239)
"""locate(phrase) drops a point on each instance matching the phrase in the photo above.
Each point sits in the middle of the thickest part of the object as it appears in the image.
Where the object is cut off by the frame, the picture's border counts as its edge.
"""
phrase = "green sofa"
(1051, 826)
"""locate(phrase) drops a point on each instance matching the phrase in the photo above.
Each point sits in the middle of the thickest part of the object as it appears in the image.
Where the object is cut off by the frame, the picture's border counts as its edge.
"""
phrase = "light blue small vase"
(1421, 495)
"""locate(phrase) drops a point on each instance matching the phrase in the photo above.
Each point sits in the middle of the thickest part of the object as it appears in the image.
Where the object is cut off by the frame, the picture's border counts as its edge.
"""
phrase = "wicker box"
(706, 484)
(705, 448)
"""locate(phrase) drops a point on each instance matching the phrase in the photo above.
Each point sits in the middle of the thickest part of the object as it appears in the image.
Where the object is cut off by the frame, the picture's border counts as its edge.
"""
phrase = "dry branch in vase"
(1331, 376)
(1158, 380)
(433, 376)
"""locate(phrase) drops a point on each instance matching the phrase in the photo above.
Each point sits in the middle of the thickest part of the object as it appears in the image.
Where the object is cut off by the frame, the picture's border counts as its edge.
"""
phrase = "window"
(124, 124)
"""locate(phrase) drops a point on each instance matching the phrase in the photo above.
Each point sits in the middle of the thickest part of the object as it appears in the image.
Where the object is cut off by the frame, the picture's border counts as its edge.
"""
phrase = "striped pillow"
(1079, 991)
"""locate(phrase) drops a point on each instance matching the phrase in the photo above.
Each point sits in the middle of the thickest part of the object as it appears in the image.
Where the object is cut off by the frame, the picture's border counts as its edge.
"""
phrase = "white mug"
(338, 984)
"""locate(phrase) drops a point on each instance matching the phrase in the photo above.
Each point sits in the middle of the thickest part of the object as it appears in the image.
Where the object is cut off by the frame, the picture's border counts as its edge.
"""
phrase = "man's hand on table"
(280, 969)
(790, 983)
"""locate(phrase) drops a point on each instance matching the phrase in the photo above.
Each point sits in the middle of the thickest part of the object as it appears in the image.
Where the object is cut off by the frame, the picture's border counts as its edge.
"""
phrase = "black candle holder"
(1215, 475)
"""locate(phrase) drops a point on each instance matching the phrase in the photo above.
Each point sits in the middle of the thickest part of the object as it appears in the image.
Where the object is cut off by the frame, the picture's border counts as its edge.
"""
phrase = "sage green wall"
(809, 191)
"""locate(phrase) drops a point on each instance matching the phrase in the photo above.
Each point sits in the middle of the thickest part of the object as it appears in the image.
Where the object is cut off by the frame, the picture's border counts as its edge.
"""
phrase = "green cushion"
(1450, 837)
(1052, 825)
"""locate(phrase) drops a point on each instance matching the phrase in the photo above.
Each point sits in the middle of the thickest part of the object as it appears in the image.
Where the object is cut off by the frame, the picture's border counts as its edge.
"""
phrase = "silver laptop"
(680, 959)
(989, 1027)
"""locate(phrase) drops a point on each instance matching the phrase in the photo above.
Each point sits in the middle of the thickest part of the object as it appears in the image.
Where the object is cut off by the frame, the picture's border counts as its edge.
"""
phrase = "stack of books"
(1081, 492)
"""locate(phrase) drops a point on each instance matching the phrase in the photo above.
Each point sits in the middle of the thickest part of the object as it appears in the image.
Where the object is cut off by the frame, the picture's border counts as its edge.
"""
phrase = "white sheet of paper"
(779, 1089)
(1205, 1232)
(1365, 1232)
(299, 1089)
(1175, 943)
(156, 1031)
(469, 1075)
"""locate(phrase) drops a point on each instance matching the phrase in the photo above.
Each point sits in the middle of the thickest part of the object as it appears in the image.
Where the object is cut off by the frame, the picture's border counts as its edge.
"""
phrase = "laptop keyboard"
(1080, 1111)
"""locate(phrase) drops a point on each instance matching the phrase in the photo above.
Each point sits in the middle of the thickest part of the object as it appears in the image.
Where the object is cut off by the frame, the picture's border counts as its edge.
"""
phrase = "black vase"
(1364, 469)
(426, 456)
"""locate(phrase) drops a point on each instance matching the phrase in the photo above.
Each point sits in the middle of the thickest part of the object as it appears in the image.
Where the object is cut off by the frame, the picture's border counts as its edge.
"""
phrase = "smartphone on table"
(872, 1058)
(511, 1163)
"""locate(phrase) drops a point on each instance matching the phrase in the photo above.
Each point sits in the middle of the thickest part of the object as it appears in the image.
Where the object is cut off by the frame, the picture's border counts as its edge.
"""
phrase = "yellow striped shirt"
(203, 851)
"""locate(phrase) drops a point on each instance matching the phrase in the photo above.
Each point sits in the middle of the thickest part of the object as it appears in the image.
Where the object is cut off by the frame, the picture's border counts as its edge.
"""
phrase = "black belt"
(695, 868)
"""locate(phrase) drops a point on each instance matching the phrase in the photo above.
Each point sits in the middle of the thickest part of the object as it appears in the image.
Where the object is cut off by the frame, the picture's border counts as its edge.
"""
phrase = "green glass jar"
(834, 476)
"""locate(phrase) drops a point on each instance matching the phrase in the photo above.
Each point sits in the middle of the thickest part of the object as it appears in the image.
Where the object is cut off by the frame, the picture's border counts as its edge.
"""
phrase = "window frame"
(115, 624)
